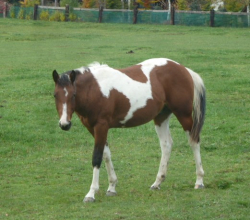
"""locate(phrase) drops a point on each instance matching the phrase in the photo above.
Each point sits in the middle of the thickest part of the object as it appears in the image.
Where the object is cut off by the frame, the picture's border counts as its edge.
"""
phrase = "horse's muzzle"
(65, 127)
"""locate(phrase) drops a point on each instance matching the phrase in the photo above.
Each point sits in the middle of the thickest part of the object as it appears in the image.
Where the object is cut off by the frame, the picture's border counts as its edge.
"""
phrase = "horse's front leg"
(100, 135)
(111, 172)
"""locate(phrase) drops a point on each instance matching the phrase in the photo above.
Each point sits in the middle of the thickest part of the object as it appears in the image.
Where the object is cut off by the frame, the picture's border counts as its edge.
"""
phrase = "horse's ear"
(55, 76)
(72, 76)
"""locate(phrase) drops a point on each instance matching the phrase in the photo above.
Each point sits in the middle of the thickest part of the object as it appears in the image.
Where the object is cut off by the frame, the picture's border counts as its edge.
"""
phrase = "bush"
(72, 17)
(44, 16)
(71, 3)
(21, 14)
(29, 16)
(12, 12)
(57, 16)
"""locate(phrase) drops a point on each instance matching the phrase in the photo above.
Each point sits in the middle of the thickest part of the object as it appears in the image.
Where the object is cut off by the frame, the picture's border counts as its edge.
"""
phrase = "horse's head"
(65, 97)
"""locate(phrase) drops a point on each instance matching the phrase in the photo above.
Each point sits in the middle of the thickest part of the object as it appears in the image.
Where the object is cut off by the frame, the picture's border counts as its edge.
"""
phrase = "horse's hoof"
(88, 199)
(109, 193)
(197, 186)
(155, 188)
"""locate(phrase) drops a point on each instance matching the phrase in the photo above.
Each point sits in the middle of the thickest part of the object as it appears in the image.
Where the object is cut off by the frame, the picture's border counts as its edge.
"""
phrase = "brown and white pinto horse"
(105, 98)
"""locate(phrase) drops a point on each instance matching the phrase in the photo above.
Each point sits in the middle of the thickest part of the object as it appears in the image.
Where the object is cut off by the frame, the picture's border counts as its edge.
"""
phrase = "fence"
(174, 17)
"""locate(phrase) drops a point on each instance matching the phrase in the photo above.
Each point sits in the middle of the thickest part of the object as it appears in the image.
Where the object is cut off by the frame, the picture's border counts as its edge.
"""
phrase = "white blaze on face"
(138, 93)
(63, 119)
(66, 92)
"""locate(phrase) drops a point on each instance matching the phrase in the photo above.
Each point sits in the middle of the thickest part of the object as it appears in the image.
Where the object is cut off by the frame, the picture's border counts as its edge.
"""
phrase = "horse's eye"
(54, 95)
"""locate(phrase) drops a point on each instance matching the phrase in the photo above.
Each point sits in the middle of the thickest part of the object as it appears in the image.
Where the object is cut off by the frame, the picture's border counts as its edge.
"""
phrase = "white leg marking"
(166, 147)
(111, 172)
(90, 197)
(63, 119)
(199, 170)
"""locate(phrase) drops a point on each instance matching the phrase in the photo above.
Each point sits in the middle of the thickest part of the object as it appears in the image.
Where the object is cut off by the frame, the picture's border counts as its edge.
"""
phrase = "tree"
(113, 4)
(71, 3)
(233, 5)
(29, 3)
(194, 5)
(246, 3)
(182, 5)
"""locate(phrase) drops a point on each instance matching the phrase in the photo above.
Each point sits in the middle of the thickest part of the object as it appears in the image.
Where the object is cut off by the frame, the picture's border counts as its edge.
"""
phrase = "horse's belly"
(142, 115)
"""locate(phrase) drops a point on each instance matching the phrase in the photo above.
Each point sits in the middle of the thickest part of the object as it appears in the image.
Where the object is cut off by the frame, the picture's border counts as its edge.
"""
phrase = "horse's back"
(145, 89)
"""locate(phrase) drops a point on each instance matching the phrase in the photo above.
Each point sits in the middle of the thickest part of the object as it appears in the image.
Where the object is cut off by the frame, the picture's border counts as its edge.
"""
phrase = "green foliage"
(29, 16)
(57, 16)
(195, 5)
(21, 14)
(182, 5)
(45, 172)
(71, 3)
(72, 17)
(44, 15)
(90, 4)
(12, 12)
(113, 4)
(29, 3)
(233, 5)
(206, 6)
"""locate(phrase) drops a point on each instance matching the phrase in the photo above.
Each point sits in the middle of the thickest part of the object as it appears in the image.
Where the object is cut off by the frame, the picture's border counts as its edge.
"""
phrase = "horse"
(104, 97)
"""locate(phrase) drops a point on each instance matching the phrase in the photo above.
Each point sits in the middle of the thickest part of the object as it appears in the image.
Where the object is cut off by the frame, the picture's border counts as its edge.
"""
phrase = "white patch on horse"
(156, 62)
(138, 93)
(94, 64)
(66, 92)
(81, 69)
(63, 119)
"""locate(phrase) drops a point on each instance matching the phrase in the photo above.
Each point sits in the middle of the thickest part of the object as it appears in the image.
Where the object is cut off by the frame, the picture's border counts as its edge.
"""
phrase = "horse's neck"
(86, 89)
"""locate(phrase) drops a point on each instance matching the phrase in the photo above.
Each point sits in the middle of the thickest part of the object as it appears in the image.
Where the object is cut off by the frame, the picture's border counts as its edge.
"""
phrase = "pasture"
(46, 172)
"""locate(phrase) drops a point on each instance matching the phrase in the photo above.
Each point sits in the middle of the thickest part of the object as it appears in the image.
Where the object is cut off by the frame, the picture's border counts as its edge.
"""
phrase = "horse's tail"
(199, 107)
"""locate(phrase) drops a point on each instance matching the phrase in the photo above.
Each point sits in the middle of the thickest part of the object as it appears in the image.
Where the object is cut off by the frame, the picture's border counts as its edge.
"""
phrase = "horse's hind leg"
(199, 169)
(163, 132)
(111, 172)
(187, 124)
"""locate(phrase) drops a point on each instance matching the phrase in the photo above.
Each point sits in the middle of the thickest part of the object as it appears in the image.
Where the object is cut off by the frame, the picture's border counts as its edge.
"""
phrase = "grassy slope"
(45, 172)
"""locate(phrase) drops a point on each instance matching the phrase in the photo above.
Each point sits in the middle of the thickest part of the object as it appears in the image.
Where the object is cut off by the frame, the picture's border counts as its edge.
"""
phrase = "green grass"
(46, 172)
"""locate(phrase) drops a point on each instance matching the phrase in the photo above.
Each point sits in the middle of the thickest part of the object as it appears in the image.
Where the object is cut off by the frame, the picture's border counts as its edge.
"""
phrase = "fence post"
(135, 12)
(5, 9)
(67, 12)
(35, 12)
(172, 12)
(100, 14)
(212, 18)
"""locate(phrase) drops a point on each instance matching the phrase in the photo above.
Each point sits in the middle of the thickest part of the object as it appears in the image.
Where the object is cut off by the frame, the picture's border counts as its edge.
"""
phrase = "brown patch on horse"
(119, 105)
(145, 114)
(178, 85)
(135, 73)
(113, 109)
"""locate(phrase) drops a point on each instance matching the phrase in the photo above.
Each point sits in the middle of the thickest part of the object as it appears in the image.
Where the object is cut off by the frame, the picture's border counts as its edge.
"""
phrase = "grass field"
(46, 172)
